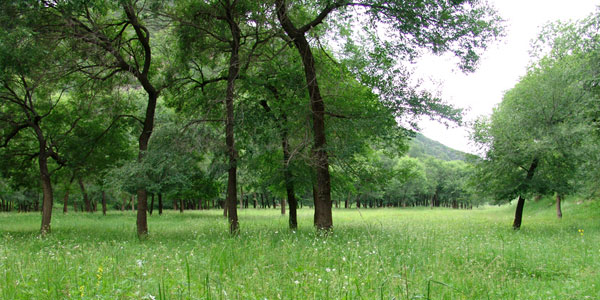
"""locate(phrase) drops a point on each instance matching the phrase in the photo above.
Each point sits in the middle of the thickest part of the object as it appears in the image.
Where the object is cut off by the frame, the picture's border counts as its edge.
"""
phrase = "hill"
(421, 147)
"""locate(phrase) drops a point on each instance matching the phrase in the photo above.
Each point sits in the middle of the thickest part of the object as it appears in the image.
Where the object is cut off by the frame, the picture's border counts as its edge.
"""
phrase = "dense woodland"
(233, 104)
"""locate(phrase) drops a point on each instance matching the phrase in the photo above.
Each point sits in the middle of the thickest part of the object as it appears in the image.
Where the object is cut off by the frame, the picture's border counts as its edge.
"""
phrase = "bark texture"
(323, 215)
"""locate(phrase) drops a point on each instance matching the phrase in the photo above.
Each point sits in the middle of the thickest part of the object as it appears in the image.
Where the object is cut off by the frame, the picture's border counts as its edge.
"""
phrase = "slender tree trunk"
(66, 200)
(151, 208)
(181, 203)
(86, 199)
(283, 206)
(104, 203)
(241, 197)
(323, 215)
(47, 191)
(558, 209)
(521, 202)
(233, 72)
(123, 203)
(287, 173)
(346, 202)
(160, 204)
(174, 204)
(132, 203)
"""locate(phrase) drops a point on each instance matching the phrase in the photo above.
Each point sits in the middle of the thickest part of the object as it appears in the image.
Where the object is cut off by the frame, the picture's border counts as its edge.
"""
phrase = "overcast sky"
(500, 68)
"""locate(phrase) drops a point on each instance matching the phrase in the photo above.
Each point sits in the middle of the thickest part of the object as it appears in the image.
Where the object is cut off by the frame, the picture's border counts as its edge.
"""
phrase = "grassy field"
(372, 254)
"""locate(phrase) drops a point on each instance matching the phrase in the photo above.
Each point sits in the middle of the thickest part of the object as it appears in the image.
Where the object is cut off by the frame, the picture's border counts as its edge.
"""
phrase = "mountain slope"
(421, 146)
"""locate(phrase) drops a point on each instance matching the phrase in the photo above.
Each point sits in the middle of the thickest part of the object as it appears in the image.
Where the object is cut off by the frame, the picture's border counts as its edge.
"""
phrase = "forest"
(204, 105)
(155, 111)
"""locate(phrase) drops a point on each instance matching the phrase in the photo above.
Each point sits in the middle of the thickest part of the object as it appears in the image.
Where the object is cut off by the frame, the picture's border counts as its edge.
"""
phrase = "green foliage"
(423, 147)
(545, 118)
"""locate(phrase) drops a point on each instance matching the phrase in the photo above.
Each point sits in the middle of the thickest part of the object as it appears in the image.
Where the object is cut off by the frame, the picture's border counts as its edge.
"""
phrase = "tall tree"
(460, 27)
(217, 31)
(114, 38)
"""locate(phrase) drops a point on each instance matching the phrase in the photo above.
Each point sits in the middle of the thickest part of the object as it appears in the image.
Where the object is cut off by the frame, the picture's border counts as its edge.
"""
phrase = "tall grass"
(372, 254)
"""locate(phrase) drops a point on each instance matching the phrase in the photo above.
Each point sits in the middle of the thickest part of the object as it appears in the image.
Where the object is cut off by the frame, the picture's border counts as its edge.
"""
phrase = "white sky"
(501, 65)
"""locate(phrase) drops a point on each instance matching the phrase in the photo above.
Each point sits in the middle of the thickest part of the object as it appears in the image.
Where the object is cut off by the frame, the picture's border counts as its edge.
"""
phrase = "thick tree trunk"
(323, 215)
(160, 204)
(519, 213)
(558, 209)
(103, 203)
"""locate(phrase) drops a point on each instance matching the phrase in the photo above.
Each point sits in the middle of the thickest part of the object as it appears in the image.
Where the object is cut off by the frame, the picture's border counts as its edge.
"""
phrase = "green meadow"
(372, 254)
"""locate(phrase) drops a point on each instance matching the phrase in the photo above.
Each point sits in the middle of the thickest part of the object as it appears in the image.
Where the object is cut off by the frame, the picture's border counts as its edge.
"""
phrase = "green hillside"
(421, 147)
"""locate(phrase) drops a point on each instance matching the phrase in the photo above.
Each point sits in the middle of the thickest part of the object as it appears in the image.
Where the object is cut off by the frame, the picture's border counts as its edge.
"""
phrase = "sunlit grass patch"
(372, 254)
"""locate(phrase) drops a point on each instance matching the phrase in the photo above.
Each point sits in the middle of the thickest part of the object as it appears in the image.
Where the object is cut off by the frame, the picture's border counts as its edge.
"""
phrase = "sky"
(500, 68)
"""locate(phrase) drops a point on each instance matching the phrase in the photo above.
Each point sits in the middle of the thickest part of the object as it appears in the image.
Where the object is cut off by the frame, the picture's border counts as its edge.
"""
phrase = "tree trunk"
(151, 204)
(519, 213)
(160, 204)
(86, 199)
(283, 206)
(233, 72)
(241, 197)
(558, 209)
(181, 203)
(346, 202)
(521, 202)
(66, 201)
(46, 189)
(323, 215)
(132, 198)
(104, 203)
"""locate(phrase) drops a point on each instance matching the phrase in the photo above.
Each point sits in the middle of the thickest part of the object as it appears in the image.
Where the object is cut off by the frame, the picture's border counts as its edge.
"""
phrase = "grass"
(372, 254)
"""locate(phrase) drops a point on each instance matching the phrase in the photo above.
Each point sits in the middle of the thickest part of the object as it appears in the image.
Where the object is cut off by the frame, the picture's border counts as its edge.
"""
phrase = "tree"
(437, 25)
(114, 38)
(36, 68)
(225, 26)
(533, 135)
